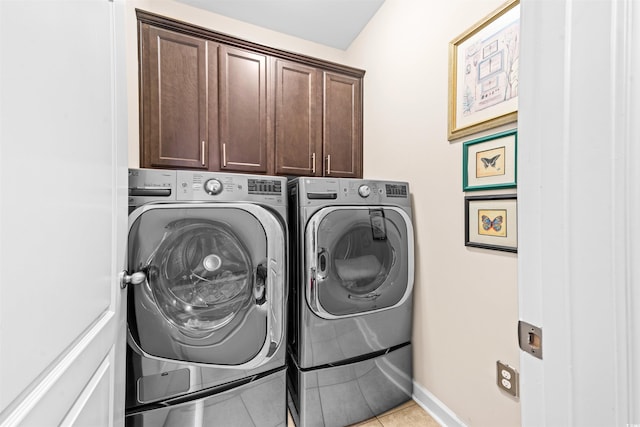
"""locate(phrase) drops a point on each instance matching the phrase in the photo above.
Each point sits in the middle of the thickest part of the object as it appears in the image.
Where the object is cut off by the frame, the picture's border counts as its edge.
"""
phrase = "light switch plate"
(508, 379)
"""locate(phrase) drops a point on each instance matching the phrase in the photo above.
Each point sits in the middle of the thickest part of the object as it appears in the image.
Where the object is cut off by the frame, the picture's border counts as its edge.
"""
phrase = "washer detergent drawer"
(258, 403)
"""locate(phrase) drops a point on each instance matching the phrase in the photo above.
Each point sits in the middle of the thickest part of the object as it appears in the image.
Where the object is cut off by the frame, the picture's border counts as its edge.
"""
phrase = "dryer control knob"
(213, 187)
(364, 190)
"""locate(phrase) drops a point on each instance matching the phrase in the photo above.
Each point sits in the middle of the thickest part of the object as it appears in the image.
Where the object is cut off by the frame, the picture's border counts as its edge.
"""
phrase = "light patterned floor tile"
(409, 414)
(405, 405)
(412, 416)
(369, 423)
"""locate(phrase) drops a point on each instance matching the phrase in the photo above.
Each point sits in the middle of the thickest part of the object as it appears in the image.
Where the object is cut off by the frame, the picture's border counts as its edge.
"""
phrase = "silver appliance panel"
(152, 379)
(212, 269)
(348, 394)
(248, 405)
(318, 192)
(225, 187)
(358, 260)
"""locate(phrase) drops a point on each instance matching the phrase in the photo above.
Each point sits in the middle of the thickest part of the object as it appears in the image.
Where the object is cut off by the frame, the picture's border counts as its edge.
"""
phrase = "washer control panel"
(206, 186)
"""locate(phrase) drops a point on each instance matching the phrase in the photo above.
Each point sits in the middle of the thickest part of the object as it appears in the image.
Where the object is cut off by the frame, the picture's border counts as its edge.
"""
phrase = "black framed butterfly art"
(491, 222)
(490, 162)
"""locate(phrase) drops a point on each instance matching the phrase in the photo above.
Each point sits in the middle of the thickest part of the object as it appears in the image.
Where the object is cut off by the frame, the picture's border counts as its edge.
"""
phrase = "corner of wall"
(438, 410)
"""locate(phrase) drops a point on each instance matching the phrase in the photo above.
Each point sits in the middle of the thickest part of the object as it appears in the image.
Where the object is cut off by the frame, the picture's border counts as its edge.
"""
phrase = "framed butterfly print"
(490, 162)
(491, 222)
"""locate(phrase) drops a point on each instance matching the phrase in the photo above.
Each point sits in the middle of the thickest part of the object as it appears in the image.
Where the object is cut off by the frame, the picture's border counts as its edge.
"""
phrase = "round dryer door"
(359, 259)
(213, 278)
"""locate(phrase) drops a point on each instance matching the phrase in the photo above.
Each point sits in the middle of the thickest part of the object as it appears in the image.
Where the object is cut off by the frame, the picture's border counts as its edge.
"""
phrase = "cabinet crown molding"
(202, 32)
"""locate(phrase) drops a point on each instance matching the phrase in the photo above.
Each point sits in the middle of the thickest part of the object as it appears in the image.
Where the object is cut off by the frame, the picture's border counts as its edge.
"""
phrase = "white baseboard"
(438, 410)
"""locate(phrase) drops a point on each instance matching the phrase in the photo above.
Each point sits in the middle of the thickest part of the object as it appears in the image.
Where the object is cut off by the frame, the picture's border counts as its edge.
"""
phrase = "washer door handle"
(134, 279)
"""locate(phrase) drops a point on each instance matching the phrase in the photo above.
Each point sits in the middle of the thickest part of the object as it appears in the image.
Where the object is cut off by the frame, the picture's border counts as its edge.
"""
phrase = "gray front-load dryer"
(206, 321)
(351, 281)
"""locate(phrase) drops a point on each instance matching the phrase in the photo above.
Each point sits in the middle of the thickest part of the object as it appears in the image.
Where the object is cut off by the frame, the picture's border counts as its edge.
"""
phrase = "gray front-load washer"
(206, 319)
(351, 283)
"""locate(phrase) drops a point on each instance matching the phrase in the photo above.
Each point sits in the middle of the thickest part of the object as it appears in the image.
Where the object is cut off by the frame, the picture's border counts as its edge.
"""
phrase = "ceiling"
(334, 23)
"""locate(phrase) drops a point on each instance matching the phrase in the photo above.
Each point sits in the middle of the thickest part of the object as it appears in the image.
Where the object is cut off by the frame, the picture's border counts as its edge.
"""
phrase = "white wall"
(466, 299)
(466, 304)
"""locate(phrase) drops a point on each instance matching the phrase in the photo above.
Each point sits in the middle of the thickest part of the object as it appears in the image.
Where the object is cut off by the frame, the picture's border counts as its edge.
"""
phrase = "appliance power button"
(364, 190)
(213, 187)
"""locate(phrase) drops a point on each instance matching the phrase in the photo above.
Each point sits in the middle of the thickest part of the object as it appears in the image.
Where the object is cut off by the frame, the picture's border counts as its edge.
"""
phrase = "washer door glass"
(362, 260)
(202, 275)
(205, 298)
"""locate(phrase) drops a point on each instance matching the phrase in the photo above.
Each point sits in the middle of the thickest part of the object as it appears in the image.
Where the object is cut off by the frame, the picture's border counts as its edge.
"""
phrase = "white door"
(63, 214)
(579, 204)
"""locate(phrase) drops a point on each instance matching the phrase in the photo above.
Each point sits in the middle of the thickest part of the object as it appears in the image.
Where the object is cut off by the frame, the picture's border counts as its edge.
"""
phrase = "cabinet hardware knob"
(202, 153)
(328, 164)
(313, 163)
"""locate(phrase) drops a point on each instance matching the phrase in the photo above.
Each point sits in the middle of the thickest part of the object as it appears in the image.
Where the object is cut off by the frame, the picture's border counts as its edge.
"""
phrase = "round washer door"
(359, 260)
(215, 282)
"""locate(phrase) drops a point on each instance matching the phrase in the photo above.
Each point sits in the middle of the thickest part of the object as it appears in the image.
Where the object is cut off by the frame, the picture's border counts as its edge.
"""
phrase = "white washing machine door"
(215, 288)
(358, 260)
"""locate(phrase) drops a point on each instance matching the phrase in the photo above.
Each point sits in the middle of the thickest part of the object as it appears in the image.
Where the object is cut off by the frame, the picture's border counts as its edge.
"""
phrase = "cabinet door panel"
(242, 110)
(342, 130)
(174, 116)
(298, 145)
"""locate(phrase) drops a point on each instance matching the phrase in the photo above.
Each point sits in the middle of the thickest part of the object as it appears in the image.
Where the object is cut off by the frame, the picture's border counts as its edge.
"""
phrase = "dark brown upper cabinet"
(214, 102)
(318, 122)
(173, 86)
(298, 145)
(342, 126)
(242, 111)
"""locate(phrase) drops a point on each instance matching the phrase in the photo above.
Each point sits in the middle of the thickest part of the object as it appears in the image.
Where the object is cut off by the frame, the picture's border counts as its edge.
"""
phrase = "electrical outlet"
(508, 379)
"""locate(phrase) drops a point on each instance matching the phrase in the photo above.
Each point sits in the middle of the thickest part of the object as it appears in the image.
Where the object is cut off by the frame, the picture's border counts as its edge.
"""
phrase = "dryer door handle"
(260, 288)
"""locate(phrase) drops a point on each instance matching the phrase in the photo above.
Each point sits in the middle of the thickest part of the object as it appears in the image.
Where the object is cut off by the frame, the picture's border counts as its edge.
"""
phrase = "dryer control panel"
(323, 191)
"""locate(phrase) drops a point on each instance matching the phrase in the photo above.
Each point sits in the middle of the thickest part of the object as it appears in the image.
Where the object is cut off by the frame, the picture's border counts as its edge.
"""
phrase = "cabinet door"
(298, 144)
(242, 108)
(342, 127)
(174, 100)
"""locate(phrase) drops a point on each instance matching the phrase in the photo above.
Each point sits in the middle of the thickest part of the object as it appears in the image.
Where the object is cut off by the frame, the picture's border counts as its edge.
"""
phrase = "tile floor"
(409, 414)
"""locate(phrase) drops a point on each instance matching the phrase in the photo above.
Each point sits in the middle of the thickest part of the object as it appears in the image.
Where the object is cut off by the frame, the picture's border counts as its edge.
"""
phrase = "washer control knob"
(213, 187)
(364, 190)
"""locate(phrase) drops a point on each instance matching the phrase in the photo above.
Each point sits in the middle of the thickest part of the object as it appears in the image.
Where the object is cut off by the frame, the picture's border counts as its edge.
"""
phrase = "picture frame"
(491, 222)
(483, 73)
(490, 162)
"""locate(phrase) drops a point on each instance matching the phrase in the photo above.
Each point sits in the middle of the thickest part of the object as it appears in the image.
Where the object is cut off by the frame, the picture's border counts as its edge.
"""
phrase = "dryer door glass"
(362, 260)
(205, 295)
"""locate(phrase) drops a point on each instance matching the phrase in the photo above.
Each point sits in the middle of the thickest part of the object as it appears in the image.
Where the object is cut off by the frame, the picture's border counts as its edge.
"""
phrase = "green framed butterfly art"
(490, 162)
